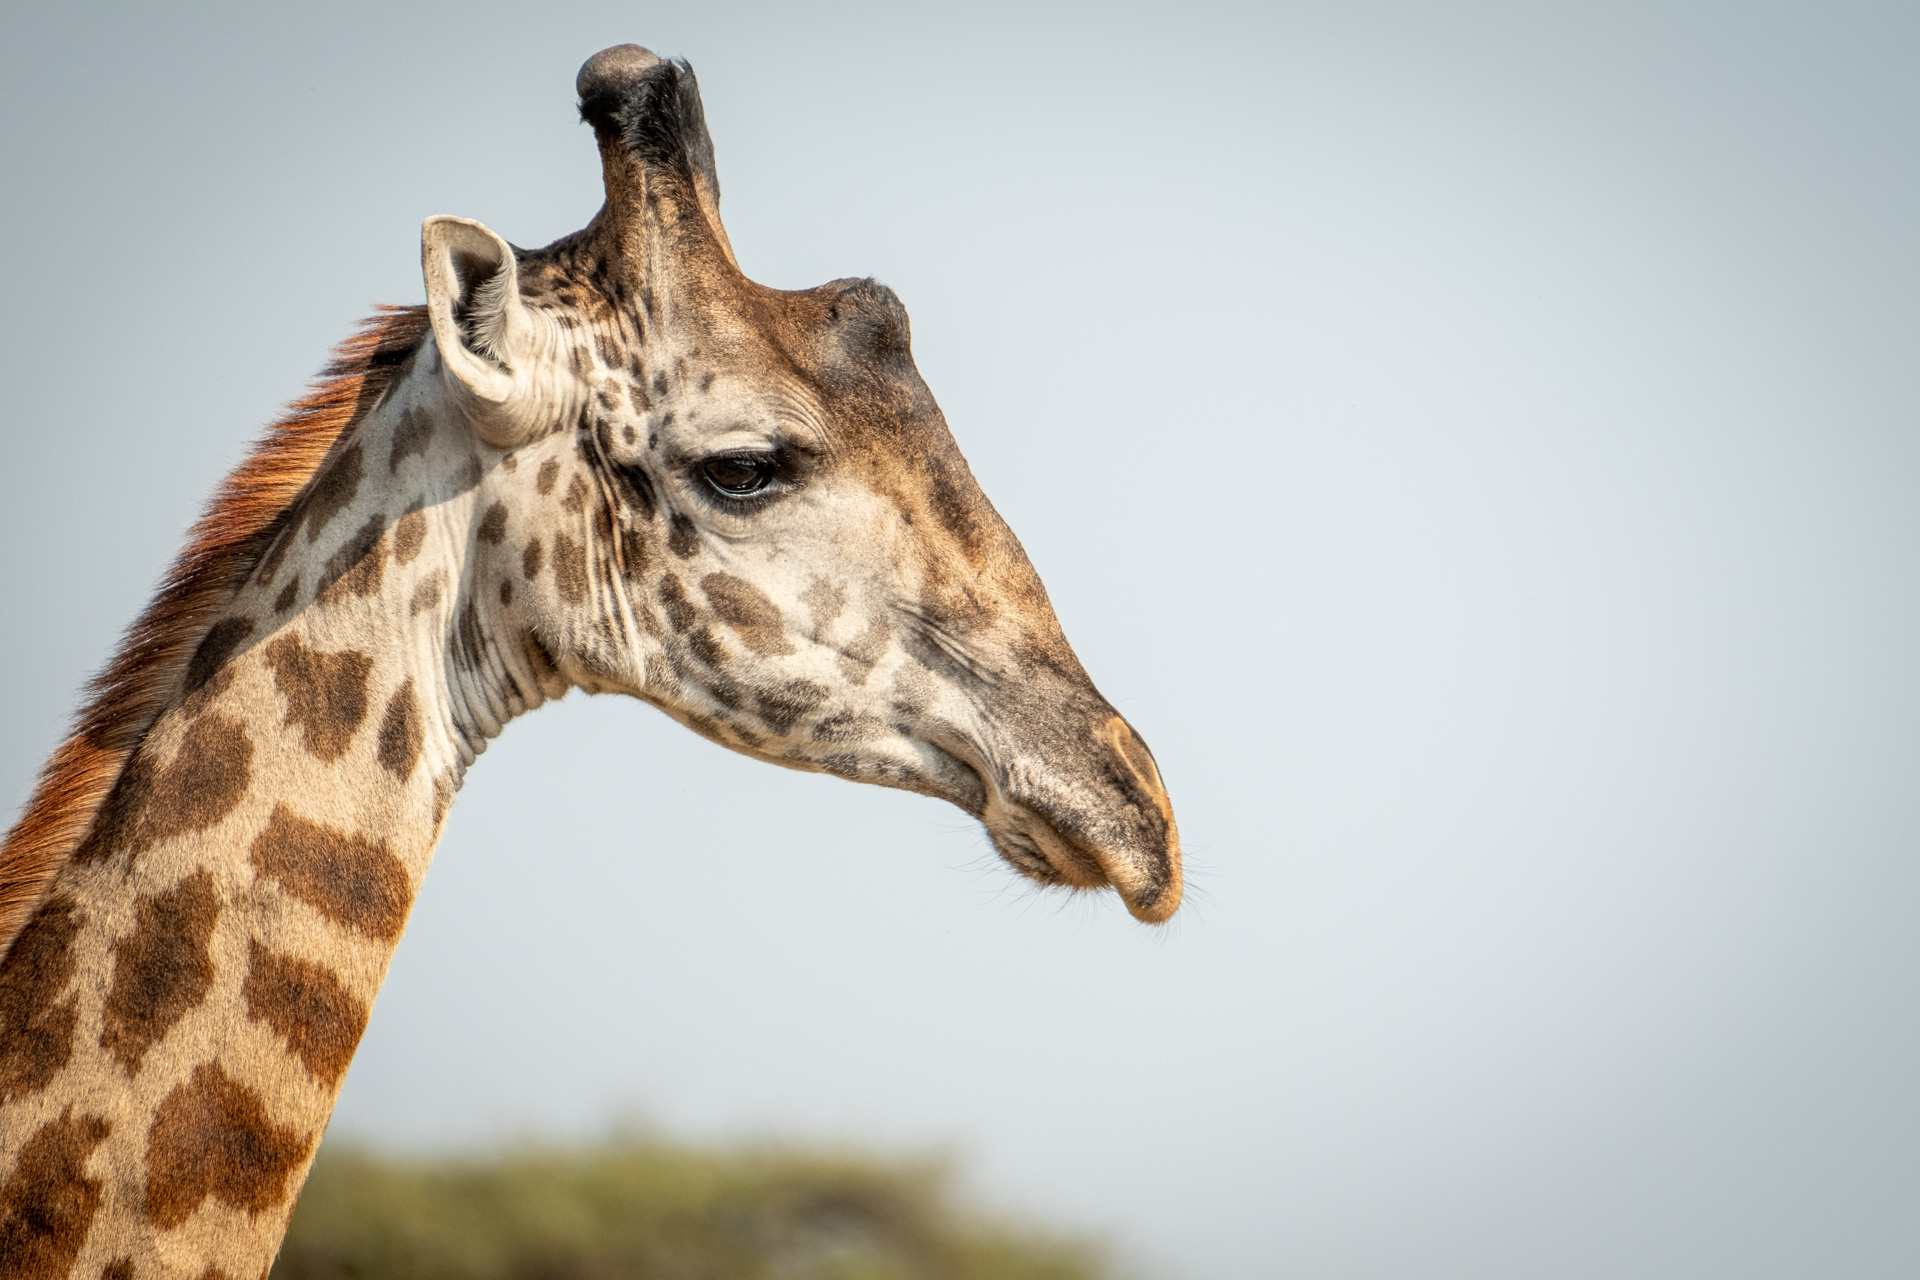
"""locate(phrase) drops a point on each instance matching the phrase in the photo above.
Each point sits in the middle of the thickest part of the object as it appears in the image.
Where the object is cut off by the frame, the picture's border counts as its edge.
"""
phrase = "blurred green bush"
(640, 1209)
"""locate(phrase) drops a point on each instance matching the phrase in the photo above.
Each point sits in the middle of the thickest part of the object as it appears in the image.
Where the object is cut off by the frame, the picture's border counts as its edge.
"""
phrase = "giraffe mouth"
(1033, 849)
(1091, 813)
(1148, 882)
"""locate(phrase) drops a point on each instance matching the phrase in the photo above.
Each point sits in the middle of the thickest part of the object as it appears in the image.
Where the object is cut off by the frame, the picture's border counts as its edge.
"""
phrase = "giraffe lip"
(1047, 841)
(1019, 835)
(1018, 844)
(1041, 851)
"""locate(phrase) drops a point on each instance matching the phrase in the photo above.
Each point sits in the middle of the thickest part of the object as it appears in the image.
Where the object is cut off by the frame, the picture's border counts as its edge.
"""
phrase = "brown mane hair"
(222, 547)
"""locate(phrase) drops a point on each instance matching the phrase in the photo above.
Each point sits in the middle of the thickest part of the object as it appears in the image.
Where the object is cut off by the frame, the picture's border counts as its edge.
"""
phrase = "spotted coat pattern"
(614, 464)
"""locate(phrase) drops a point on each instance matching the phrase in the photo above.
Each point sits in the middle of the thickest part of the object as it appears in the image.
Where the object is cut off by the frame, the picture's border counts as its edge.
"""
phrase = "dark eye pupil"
(739, 475)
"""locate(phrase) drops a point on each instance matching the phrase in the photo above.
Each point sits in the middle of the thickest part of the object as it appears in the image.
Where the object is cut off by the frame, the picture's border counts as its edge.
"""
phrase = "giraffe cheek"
(750, 612)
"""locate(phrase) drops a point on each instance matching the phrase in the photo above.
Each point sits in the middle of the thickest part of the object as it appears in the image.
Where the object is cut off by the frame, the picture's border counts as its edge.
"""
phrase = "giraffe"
(613, 464)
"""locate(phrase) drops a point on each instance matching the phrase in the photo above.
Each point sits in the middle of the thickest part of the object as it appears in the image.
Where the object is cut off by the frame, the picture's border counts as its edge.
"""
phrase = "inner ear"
(480, 308)
(473, 303)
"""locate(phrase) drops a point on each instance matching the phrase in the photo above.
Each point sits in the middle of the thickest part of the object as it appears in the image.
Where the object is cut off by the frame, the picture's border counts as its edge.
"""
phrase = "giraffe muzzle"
(1091, 817)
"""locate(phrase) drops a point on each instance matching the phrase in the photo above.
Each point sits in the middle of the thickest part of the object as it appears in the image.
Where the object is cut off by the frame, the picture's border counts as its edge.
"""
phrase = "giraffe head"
(742, 505)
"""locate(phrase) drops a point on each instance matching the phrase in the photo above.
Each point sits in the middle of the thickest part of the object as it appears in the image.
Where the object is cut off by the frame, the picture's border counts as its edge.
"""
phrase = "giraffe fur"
(613, 464)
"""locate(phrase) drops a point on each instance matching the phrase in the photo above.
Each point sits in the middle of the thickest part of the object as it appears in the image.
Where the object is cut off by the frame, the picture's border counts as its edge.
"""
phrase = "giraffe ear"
(483, 331)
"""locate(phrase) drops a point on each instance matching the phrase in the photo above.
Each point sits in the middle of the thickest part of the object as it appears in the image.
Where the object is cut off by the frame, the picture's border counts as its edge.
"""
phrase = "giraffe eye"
(738, 476)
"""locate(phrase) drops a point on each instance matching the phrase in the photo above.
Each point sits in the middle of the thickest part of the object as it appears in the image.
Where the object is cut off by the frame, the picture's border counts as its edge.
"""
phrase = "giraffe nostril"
(1139, 761)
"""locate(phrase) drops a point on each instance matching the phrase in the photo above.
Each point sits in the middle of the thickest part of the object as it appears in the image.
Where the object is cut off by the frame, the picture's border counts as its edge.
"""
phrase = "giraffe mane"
(221, 549)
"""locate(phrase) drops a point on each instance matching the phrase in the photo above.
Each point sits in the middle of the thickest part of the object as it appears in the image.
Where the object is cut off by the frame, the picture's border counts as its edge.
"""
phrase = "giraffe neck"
(177, 1016)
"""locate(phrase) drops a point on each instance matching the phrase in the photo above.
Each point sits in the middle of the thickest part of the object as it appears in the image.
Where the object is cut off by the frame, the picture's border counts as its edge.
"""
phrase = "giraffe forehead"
(846, 340)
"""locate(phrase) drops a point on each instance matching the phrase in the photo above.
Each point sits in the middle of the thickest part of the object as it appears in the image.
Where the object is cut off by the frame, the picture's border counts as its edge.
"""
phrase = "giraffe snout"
(1094, 814)
(1146, 870)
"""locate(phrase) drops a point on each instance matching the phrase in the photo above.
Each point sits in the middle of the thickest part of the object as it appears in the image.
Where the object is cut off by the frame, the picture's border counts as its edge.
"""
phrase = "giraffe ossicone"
(614, 463)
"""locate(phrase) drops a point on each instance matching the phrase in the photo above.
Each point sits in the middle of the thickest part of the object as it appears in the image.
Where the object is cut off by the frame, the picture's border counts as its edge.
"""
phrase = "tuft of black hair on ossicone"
(657, 114)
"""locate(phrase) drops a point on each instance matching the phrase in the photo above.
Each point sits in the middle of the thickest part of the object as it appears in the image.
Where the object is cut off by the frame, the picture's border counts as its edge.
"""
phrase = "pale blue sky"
(1477, 445)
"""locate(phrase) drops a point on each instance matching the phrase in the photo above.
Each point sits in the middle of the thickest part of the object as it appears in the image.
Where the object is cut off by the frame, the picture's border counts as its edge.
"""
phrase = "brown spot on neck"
(358, 567)
(47, 1205)
(409, 535)
(426, 595)
(326, 693)
(201, 785)
(333, 491)
(442, 801)
(544, 480)
(493, 525)
(277, 550)
(162, 970)
(348, 879)
(305, 1004)
(400, 734)
(410, 438)
(36, 1034)
(223, 637)
(212, 1137)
